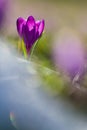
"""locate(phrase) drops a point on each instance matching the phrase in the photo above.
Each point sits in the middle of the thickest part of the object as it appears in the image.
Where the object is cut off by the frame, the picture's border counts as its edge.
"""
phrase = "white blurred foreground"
(24, 105)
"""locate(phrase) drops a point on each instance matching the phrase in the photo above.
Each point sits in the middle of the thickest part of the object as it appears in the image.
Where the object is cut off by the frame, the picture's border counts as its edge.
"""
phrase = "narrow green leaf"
(24, 49)
(33, 47)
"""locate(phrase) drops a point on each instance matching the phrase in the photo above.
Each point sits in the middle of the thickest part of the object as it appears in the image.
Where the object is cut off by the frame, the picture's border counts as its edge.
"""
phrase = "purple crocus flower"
(69, 54)
(29, 30)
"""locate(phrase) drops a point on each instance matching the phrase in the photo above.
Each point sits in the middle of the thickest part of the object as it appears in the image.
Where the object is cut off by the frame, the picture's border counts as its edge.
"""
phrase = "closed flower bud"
(29, 30)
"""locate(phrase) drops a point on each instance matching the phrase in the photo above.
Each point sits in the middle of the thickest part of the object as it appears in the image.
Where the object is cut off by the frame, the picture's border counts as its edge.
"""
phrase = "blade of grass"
(33, 48)
(24, 49)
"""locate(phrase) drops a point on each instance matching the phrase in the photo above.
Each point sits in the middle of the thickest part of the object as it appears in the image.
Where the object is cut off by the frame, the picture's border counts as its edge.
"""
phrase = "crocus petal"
(28, 36)
(19, 23)
(30, 22)
(37, 24)
(40, 25)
